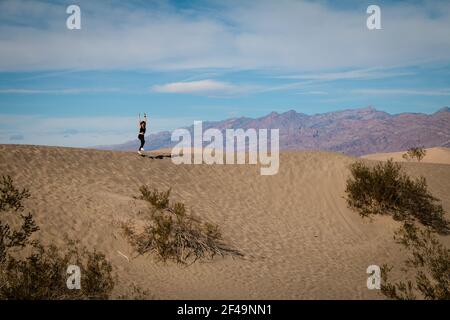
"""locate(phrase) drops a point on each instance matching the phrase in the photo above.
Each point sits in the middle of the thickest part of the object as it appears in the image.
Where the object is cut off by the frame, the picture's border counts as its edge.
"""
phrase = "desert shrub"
(417, 153)
(30, 270)
(43, 275)
(10, 196)
(385, 189)
(429, 261)
(135, 292)
(160, 200)
(173, 234)
(11, 199)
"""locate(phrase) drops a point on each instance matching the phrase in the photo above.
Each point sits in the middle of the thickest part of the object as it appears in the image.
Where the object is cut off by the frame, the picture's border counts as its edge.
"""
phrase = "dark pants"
(142, 138)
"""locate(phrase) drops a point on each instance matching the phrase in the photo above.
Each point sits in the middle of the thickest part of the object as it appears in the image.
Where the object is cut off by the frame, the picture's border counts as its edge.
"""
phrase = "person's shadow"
(159, 156)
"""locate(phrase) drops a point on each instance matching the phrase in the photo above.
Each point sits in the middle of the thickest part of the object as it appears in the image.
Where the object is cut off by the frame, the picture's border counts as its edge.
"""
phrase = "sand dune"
(301, 240)
(433, 155)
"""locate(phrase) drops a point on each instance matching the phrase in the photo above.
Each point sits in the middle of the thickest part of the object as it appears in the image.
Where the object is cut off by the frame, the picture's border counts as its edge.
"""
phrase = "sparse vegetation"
(30, 270)
(417, 153)
(385, 189)
(135, 292)
(174, 234)
(429, 261)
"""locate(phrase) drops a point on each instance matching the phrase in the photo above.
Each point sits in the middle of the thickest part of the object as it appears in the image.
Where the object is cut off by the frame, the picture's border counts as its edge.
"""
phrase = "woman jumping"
(142, 128)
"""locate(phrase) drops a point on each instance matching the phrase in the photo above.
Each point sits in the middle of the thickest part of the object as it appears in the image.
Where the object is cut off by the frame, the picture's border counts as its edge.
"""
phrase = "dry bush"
(417, 153)
(29, 270)
(385, 189)
(429, 261)
(173, 234)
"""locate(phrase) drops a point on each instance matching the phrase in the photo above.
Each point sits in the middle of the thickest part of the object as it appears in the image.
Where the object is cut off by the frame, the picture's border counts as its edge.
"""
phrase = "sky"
(181, 61)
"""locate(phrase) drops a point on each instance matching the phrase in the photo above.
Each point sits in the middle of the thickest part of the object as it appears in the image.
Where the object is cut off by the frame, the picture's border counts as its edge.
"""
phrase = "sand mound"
(433, 155)
(301, 240)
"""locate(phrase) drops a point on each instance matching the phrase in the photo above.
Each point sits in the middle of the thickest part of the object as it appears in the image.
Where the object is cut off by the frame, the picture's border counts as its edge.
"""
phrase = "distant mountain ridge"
(353, 132)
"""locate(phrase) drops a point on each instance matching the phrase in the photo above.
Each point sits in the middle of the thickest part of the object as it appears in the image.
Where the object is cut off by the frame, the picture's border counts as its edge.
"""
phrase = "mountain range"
(353, 132)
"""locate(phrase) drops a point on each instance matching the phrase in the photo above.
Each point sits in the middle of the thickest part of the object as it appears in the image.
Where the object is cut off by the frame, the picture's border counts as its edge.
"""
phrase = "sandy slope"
(303, 240)
(433, 155)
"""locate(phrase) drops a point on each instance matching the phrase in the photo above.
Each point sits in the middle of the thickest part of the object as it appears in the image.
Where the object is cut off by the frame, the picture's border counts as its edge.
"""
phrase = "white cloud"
(201, 86)
(208, 87)
(286, 35)
(58, 91)
(366, 74)
(418, 92)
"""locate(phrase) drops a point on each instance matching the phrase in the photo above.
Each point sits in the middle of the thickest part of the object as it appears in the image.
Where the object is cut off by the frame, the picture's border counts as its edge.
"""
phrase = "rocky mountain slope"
(353, 132)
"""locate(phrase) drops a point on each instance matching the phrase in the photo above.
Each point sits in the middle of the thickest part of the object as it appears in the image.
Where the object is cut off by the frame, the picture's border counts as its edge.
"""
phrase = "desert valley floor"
(300, 239)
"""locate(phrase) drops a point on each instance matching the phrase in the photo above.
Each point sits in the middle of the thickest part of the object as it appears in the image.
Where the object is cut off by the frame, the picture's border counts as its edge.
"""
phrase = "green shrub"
(10, 196)
(29, 270)
(429, 261)
(160, 200)
(385, 189)
(415, 153)
(43, 275)
(173, 234)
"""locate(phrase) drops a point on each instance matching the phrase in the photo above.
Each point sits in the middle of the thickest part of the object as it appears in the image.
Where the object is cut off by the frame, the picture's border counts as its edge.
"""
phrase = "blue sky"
(181, 61)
